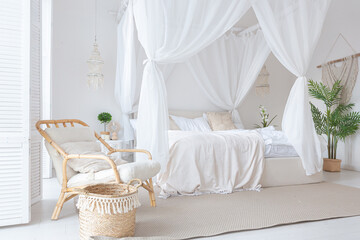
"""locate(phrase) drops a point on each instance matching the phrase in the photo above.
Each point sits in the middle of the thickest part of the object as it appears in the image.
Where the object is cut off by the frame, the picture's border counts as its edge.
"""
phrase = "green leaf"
(322, 92)
(104, 117)
(272, 120)
(319, 119)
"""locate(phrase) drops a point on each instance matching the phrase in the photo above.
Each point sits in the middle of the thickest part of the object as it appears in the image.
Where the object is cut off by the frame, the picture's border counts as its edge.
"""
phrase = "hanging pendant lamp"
(95, 76)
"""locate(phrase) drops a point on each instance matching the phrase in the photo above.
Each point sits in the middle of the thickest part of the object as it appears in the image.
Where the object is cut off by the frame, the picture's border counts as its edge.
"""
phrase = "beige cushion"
(71, 134)
(63, 135)
(172, 124)
(220, 121)
(86, 165)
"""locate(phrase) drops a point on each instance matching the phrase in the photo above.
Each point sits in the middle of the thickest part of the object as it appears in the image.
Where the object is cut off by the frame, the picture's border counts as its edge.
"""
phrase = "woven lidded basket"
(108, 210)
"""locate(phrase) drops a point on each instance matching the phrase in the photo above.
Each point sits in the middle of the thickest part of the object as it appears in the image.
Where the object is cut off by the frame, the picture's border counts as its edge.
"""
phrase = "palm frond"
(344, 108)
(316, 91)
(349, 125)
(319, 119)
(322, 92)
(334, 93)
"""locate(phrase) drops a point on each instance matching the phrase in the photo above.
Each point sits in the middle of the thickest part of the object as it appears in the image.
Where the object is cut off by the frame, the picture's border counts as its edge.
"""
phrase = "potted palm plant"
(337, 122)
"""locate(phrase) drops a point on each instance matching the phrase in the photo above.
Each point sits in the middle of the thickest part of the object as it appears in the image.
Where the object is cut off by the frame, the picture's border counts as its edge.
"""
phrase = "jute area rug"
(207, 215)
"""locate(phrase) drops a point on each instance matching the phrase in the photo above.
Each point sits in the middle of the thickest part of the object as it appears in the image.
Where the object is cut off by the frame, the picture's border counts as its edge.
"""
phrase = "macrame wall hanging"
(262, 87)
(347, 72)
(95, 76)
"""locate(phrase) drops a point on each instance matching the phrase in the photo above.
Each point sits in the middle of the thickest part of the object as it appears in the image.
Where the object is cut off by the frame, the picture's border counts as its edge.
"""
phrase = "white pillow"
(192, 124)
(87, 165)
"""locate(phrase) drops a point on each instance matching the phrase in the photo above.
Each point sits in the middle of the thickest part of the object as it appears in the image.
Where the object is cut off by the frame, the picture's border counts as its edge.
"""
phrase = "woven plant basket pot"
(108, 210)
(332, 165)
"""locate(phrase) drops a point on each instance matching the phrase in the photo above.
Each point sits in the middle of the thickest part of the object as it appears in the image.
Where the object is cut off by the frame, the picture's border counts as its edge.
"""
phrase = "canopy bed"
(224, 61)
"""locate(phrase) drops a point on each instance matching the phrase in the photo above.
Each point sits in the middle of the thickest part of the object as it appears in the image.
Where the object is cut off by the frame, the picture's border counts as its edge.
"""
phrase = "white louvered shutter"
(46, 22)
(18, 110)
(35, 101)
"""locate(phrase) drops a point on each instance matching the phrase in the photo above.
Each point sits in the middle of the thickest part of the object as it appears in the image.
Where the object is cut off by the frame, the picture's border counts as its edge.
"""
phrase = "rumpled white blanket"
(212, 162)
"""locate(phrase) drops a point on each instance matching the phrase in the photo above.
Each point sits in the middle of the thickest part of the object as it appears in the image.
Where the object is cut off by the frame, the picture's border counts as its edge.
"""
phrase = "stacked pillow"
(210, 121)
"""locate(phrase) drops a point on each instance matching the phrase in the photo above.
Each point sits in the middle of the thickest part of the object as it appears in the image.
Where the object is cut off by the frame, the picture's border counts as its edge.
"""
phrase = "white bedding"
(276, 143)
(212, 162)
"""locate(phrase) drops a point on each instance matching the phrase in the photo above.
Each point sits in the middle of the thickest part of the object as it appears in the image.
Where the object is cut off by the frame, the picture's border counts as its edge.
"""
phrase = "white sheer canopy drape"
(292, 29)
(171, 31)
(128, 76)
(129, 70)
(227, 69)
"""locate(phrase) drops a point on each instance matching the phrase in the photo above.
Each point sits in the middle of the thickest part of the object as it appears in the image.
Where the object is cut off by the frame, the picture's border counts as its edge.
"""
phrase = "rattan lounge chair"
(60, 158)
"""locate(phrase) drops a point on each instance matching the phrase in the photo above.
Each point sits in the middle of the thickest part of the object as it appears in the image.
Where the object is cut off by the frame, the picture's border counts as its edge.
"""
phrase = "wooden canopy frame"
(68, 193)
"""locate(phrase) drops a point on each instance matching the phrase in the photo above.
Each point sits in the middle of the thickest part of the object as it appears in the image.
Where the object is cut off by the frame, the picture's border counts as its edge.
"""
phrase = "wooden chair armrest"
(131, 150)
(91, 156)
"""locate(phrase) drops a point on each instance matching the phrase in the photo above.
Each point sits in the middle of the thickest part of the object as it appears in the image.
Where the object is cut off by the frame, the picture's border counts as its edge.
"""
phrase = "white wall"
(73, 36)
(72, 42)
(343, 17)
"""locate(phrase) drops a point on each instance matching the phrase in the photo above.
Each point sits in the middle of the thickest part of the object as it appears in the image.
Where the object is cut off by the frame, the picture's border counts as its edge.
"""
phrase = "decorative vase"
(114, 136)
(332, 165)
(105, 135)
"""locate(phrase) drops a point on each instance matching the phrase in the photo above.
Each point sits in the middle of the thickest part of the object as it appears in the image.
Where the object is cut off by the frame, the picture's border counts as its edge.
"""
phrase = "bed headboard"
(187, 114)
(179, 113)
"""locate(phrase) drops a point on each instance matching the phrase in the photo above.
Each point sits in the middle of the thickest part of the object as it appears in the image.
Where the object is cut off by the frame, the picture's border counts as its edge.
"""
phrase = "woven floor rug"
(213, 214)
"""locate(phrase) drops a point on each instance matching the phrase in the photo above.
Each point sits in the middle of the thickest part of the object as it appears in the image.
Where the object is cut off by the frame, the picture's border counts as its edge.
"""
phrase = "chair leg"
(152, 194)
(58, 206)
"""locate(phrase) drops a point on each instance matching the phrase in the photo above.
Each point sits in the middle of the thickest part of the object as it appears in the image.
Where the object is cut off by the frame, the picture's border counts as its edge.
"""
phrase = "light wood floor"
(67, 227)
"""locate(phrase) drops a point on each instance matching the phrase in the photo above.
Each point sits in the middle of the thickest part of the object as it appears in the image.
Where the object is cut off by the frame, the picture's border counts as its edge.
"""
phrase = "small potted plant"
(264, 118)
(337, 122)
(105, 118)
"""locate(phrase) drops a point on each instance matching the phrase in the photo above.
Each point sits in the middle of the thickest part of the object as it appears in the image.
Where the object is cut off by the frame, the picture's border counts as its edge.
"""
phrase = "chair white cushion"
(62, 135)
(142, 170)
(86, 165)
(71, 134)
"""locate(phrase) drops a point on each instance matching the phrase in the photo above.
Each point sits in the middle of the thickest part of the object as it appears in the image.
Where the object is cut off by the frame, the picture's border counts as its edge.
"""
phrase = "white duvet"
(212, 162)
(276, 143)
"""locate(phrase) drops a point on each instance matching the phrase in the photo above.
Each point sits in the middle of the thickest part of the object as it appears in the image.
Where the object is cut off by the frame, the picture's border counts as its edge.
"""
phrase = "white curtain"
(129, 69)
(228, 68)
(292, 29)
(171, 31)
(128, 76)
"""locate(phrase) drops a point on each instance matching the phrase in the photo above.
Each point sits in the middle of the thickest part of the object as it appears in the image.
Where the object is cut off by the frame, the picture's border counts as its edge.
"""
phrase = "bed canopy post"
(171, 31)
(292, 30)
(126, 68)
